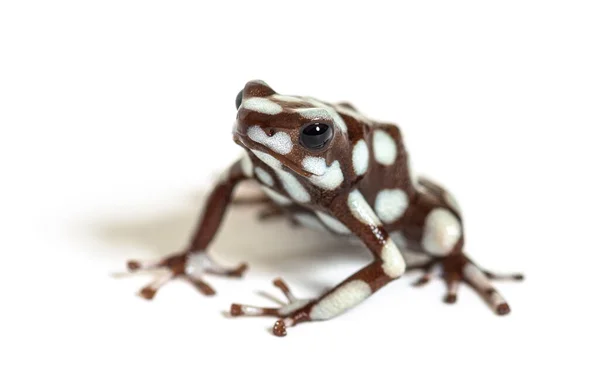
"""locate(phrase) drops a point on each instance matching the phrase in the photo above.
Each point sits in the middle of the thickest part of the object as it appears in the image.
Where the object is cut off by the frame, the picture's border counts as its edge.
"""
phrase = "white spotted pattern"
(360, 158)
(351, 112)
(264, 177)
(393, 262)
(284, 98)
(280, 142)
(262, 105)
(315, 165)
(276, 197)
(390, 204)
(246, 164)
(267, 159)
(441, 232)
(384, 148)
(361, 210)
(314, 113)
(331, 178)
(290, 183)
(293, 187)
(337, 119)
(308, 221)
(341, 299)
(333, 224)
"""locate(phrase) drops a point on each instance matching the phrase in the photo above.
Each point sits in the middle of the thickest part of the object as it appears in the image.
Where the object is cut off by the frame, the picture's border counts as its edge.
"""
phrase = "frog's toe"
(290, 313)
(188, 266)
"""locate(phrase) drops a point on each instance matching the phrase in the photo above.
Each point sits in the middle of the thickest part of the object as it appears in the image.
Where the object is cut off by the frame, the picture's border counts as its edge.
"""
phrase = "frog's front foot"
(458, 268)
(295, 311)
(187, 265)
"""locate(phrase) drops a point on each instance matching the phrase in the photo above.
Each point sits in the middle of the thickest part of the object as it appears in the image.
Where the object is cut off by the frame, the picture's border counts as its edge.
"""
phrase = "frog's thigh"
(441, 232)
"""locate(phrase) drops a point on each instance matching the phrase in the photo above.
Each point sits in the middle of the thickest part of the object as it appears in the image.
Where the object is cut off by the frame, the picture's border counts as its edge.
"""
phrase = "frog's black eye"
(316, 135)
(238, 99)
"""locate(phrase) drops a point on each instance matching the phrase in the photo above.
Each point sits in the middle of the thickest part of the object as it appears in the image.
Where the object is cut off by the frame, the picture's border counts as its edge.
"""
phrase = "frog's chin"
(269, 157)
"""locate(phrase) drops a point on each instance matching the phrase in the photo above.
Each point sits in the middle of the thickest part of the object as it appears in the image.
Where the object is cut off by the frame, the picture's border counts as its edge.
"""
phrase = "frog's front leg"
(193, 261)
(355, 213)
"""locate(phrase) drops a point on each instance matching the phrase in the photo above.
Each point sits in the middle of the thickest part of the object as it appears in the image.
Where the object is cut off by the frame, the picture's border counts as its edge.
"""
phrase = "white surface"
(115, 116)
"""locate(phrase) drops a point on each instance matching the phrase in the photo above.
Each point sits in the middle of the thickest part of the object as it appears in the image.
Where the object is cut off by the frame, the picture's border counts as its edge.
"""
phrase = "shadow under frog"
(267, 243)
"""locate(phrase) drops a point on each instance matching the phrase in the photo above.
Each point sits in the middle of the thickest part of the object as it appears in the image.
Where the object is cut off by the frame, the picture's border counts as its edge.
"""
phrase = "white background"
(116, 115)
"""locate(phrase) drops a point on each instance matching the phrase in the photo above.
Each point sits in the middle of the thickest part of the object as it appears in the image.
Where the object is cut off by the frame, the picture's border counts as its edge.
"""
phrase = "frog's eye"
(238, 99)
(316, 135)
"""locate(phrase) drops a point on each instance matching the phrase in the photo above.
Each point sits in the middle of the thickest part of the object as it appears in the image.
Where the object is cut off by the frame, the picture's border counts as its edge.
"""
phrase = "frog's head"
(291, 133)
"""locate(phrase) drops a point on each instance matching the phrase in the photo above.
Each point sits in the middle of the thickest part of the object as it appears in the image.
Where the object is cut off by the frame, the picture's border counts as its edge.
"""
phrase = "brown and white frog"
(326, 165)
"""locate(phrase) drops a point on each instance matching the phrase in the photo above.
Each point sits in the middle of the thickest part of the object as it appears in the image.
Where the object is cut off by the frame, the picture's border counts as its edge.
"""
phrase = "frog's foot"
(457, 268)
(295, 311)
(188, 266)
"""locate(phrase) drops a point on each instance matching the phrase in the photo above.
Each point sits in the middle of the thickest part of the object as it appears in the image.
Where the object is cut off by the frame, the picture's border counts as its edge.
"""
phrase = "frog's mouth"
(255, 146)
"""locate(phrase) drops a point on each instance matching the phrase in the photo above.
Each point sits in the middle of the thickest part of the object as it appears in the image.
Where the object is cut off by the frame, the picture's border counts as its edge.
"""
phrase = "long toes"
(422, 281)
(202, 286)
(285, 289)
(133, 265)
(237, 310)
(504, 277)
(239, 271)
(148, 292)
(450, 298)
(503, 309)
(279, 328)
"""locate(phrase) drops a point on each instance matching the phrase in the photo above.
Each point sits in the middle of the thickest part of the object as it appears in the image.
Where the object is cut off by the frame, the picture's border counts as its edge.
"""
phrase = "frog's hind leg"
(440, 234)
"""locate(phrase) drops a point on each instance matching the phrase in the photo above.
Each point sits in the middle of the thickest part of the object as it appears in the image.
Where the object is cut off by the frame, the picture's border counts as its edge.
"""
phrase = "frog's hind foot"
(186, 266)
(291, 313)
(457, 268)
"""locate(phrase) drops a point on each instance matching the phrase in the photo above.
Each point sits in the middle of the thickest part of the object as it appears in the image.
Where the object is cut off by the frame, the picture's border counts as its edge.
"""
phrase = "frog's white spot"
(393, 262)
(361, 210)
(341, 299)
(293, 187)
(262, 105)
(474, 276)
(267, 159)
(264, 177)
(290, 183)
(384, 148)
(315, 165)
(276, 197)
(360, 157)
(332, 223)
(246, 164)
(314, 113)
(197, 263)
(332, 177)
(284, 98)
(280, 142)
(308, 221)
(350, 112)
(332, 113)
(390, 204)
(399, 239)
(441, 232)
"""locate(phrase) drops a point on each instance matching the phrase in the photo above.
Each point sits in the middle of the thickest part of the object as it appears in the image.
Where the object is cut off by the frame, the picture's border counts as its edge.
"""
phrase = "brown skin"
(333, 201)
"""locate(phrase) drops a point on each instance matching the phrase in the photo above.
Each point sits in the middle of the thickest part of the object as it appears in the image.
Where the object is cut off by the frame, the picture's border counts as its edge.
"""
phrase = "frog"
(329, 167)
